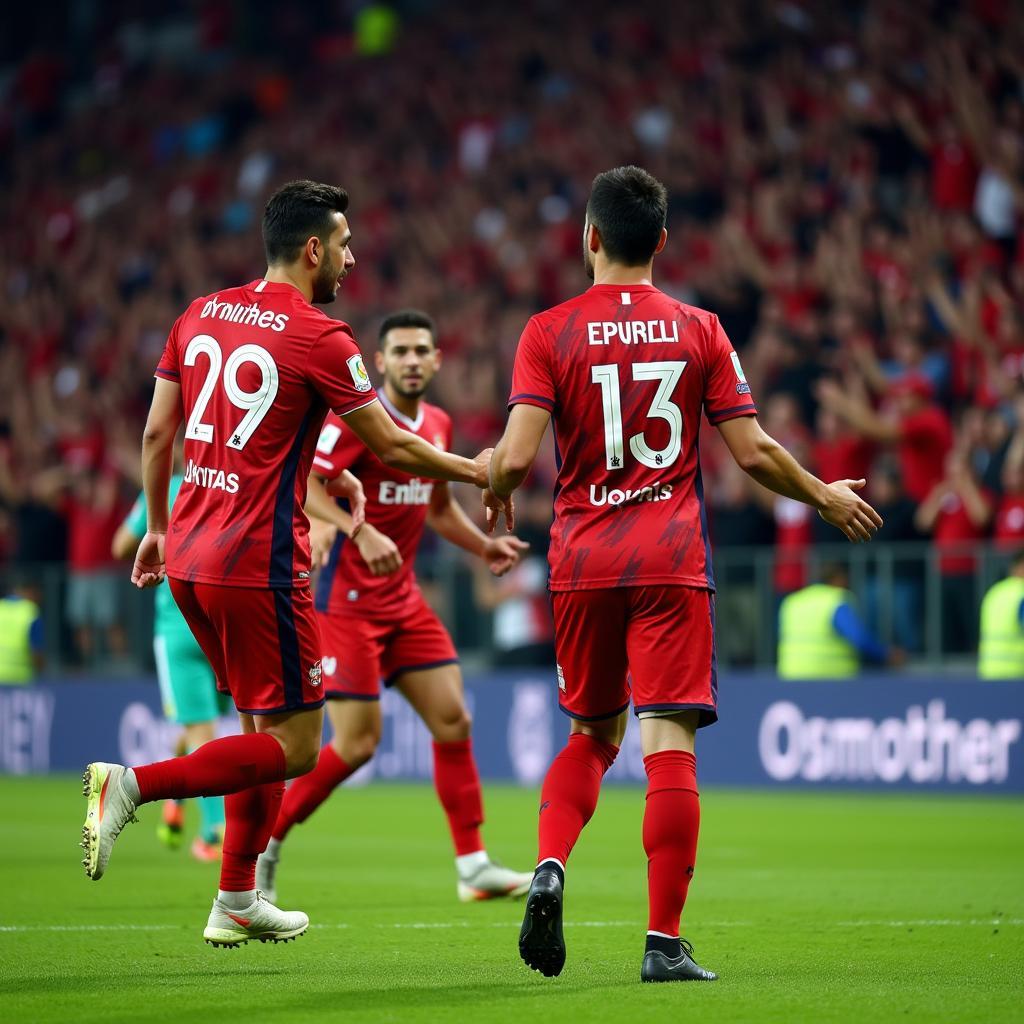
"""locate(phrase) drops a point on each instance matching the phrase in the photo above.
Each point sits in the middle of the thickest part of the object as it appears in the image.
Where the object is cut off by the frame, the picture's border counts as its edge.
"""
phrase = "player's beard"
(406, 390)
(325, 284)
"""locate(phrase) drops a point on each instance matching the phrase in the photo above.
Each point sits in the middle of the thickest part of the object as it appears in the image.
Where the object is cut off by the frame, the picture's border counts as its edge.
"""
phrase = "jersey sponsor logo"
(248, 316)
(211, 478)
(360, 378)
(415, 492)
(315, 674)
(616, 496)
(633, 332)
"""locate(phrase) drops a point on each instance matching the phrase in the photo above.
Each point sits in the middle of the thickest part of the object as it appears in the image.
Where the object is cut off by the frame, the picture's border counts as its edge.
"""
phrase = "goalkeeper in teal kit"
(187, 687)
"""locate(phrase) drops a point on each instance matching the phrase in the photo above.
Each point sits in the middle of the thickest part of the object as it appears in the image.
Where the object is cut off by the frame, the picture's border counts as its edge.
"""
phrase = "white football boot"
(493, 882)
(108, 810)
(231, 927)
(266, 876)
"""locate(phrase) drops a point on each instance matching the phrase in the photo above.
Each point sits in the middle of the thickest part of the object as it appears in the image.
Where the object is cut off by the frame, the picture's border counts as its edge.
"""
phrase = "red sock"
(570, 792)
(671, 823)
(248, 818)
(308, 792)
(458, 788)
(216, 768)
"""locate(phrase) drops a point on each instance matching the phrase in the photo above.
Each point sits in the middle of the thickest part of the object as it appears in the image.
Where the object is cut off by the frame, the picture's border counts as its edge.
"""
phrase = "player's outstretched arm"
(764, 459)
(165, 415)
(403, 450)
(448, 519)
(512, 459)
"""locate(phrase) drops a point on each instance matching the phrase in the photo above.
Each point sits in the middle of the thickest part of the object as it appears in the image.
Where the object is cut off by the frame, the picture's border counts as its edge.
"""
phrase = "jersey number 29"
(255, 403)
(667, 374)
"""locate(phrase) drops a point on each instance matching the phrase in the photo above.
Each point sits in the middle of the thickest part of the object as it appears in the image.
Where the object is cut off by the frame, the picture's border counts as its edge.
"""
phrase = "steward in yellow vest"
(1001, 648)
(820, 634)
(21, 639)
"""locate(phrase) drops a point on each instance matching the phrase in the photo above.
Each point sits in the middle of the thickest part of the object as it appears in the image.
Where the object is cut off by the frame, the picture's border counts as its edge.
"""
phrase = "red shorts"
(359, 653)
(264, 645)
(660, 638)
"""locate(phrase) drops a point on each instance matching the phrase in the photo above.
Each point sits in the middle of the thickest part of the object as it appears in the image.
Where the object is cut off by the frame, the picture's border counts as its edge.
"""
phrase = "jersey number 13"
(667, 375)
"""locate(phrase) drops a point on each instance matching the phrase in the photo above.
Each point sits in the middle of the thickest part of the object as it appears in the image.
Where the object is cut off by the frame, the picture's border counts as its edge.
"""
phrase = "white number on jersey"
(667, 374)
(256, 403)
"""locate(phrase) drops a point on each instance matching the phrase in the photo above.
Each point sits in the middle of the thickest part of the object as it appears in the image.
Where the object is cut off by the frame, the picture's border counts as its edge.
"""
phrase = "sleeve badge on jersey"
(742, 387)
(360, 377)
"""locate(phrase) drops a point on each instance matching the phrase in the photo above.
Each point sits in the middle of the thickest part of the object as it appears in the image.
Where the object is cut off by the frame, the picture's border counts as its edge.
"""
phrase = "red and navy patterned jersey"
(624, 372)
(258, 368)
(396, 504)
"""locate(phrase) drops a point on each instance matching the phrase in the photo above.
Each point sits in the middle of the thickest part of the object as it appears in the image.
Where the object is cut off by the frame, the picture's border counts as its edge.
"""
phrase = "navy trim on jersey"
(714, 654)
(288, 640)
(169, 374)
(525, 396)
(592, 718)
(735, 410)
(282, 539)
(708, 712)
(390, 680)
(698, 487)
(325, 581)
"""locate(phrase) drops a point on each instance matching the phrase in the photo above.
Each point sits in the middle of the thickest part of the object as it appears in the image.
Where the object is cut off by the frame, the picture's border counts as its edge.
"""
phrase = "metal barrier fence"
(906, 592)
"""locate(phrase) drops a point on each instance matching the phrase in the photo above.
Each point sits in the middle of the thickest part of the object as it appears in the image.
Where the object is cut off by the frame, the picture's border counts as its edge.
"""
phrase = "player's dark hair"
(407, 318)
(628, 207)
(296, 212)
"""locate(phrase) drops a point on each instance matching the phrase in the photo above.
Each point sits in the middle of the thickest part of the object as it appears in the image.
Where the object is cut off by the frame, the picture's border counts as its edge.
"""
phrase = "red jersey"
(625, 371)
(954, 534)
(396, 504)
(258, 367)
(925, 439)
(1008, 530)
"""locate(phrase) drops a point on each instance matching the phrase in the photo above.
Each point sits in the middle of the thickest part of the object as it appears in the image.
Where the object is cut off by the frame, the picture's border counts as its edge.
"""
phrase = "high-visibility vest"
(809, 646)
(1001, 649)
(16, 617)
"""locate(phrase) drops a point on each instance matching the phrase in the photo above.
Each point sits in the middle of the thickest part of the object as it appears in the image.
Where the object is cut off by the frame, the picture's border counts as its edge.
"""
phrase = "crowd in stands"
(847, 192)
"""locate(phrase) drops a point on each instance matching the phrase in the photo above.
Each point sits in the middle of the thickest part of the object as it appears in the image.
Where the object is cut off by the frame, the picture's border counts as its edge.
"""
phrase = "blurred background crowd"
(846, 191)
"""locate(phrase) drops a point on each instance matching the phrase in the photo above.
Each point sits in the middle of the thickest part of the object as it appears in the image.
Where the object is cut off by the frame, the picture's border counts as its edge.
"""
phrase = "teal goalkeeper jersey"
(168, 620)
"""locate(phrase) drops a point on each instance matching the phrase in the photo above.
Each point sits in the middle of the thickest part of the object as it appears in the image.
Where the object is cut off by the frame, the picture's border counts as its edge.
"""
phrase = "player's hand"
(502, 553)
(483, 468)
(847, 511)
(496, 506)
(349, 486)
(322, 536)
(149, 569)
(380, 553)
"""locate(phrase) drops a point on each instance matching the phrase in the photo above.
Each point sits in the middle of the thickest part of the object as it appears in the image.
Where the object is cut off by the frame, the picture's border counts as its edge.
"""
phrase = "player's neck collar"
(399, 415)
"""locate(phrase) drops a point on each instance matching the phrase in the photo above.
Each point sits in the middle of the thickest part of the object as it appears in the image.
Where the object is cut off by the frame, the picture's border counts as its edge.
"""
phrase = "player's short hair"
(407, 318)
(296, 212)
(628, 207)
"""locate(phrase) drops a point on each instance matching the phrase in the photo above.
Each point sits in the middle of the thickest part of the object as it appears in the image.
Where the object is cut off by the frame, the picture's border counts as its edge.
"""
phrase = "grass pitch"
(811, 908)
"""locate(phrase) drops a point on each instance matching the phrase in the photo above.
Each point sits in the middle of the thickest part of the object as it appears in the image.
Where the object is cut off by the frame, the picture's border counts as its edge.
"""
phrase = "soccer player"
(253, 370)
(376, 625)
(623, 371)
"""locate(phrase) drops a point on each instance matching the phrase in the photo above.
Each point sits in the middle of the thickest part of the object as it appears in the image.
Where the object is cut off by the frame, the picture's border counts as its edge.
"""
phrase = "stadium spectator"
(956, 513)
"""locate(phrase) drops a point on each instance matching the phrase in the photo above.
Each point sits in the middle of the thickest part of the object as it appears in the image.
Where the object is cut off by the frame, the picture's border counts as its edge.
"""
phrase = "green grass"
(811, 908)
